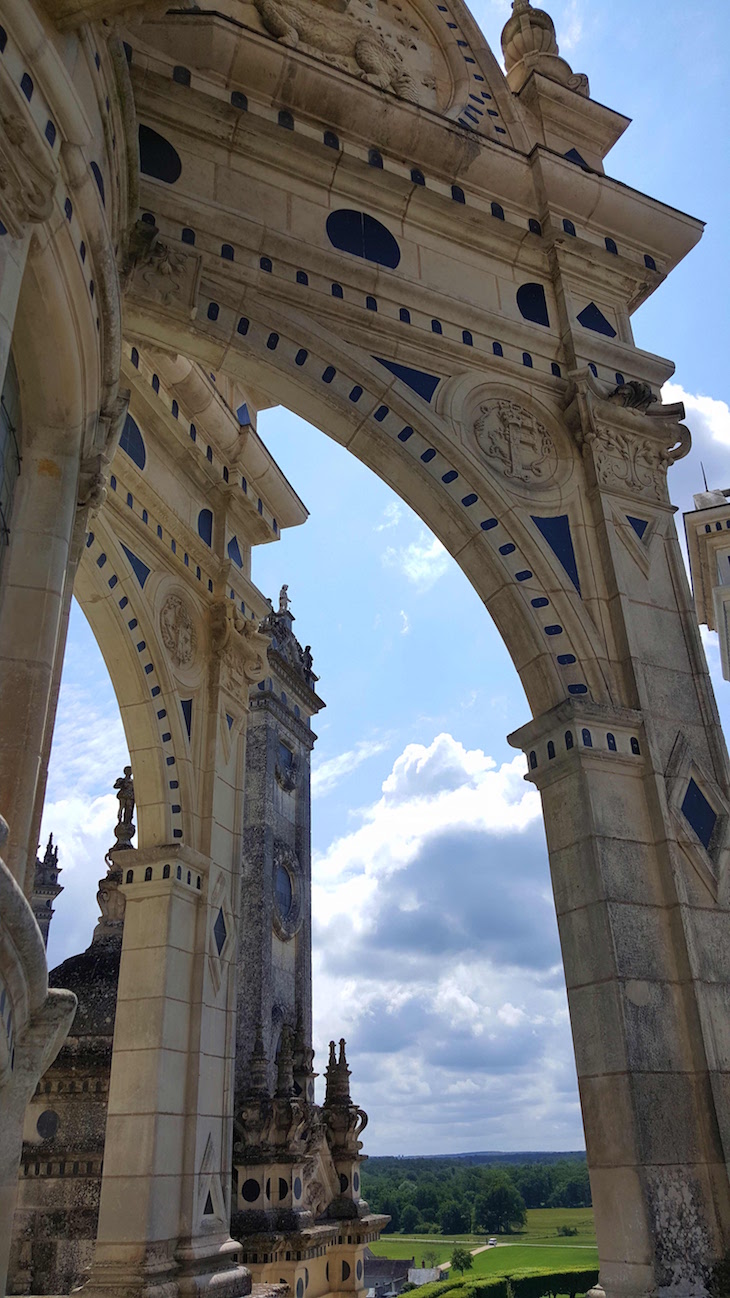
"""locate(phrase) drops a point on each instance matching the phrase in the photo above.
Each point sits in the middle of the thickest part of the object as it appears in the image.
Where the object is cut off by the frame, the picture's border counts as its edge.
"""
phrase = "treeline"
(427, 1196)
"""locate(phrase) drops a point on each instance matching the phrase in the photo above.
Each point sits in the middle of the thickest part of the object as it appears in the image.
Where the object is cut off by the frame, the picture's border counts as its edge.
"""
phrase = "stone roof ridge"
(278, 625)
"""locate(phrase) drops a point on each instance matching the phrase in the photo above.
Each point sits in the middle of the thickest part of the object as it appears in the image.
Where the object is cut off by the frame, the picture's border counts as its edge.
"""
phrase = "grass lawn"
(538, 1241)
(516, 1257)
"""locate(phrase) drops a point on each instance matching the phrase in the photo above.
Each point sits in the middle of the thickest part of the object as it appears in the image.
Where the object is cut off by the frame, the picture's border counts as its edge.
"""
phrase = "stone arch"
(56, 354)
(344, 392)
(125, 620)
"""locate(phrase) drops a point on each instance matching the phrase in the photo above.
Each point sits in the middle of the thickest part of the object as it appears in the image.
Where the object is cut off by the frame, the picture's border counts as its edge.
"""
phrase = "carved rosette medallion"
(178, 632)
(516, 444)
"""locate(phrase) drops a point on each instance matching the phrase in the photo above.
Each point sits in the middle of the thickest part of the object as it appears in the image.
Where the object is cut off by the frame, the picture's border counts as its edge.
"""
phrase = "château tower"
(46, 888)
(275, 945)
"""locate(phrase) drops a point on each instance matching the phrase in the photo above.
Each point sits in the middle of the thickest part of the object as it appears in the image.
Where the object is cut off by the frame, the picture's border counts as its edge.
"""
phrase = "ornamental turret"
(46, 888)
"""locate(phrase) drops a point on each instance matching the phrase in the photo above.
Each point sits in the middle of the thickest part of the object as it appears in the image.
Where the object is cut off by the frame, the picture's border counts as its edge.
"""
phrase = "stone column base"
(160, 1275)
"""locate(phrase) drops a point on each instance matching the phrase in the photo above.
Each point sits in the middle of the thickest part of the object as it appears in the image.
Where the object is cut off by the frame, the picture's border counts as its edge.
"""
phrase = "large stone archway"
(359, 217)
(480, 359)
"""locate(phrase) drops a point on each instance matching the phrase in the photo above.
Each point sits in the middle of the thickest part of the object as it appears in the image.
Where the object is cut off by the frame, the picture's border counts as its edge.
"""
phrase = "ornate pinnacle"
(285, 1064)
(259, 1066)
(337, 1077)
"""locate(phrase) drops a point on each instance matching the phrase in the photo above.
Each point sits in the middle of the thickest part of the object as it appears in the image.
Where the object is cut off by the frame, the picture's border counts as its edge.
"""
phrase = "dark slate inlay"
(132, 442)
(424, 385)
(639, 525)
(157, 157)
(591, 317)
(362, 236)
(556, 531)
(219, 931)
(187, 711)
(698, 813)
(140, 569)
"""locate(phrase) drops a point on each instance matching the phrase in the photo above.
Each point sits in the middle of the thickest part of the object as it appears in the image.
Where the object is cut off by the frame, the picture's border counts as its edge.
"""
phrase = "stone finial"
(125, 827)
(529, 45)
(285, 1064)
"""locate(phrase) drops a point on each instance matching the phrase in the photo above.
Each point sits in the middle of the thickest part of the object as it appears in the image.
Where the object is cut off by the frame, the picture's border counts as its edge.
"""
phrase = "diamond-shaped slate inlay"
(591, 317)
(229, 719)
(639, 525)
(698, 813)
(208, 1210)
(556, 531)
(220, 932)
(140, 569)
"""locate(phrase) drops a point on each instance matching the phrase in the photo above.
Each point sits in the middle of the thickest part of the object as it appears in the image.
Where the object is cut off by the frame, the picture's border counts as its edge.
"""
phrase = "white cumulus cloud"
(422, 562)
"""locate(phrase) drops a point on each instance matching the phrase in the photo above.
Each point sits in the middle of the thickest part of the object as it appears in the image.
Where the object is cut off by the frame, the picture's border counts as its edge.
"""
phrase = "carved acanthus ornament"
(153, 269)
(628, 439)
(28, 171)
(240, 647)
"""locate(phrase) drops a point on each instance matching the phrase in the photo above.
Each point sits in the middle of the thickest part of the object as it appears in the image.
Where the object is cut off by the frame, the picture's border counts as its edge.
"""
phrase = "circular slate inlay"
(47, 1124)
(251, 1190)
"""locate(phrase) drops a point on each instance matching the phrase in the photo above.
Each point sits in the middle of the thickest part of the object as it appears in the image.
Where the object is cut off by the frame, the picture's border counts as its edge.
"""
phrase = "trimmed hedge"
(519, 1284)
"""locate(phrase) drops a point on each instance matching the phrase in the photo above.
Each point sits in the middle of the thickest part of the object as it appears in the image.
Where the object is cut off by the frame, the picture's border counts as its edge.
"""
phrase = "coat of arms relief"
(382, 42)
(516, 444)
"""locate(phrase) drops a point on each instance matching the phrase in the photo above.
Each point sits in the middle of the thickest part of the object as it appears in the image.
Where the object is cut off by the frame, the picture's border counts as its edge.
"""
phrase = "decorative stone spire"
(529, 45)
(304, 1074)
(285, 1064)
(46, 888)
(337, 1078)
(259, 1066)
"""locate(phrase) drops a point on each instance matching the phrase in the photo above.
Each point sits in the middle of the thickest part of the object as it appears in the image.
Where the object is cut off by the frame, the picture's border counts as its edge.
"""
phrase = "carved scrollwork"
(153, 269)
(28, 172)
(346, 42)
(626, 461)
(240, 647)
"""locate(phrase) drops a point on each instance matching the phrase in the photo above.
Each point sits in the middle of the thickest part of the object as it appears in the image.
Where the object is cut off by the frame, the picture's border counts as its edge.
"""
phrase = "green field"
(536, 1245)
(518, 1257)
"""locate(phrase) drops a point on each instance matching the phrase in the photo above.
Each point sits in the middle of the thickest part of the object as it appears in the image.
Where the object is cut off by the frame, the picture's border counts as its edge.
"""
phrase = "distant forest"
(470, 1193)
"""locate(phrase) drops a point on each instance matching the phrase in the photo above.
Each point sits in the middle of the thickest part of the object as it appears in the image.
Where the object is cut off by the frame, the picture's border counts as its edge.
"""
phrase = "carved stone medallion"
(178, 631)
(515, 443)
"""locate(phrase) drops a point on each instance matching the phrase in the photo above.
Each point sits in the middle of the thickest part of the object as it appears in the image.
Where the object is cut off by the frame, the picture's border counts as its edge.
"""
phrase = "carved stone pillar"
(165, 1199)
(637, 807)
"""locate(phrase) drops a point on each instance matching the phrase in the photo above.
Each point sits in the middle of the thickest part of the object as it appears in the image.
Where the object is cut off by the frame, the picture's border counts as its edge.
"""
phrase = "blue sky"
(435, 941)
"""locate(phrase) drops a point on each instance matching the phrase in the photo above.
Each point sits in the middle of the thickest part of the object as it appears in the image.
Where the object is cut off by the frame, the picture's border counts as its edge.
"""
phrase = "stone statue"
(124, 828)
(284, 601)
(125, 796)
